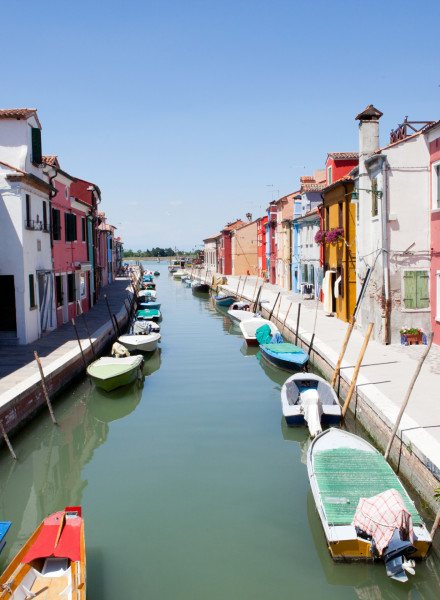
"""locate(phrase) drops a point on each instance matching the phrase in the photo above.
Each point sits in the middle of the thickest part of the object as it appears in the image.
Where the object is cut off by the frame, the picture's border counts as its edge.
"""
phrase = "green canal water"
(191, 486)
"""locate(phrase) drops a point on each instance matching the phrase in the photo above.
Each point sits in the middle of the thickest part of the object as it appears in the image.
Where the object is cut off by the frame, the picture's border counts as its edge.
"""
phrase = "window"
(327, 218)
(31, 292)
(329, 175)
(70, 227)
(436, 186)
(36, 146)
(28, 210)
(374, 208)
(83, 229)
(56, 224)
(44, 215)
(437, 316)
(71, 287)
(59, 285)
(415, 289)
(82, 285)
(340, 215)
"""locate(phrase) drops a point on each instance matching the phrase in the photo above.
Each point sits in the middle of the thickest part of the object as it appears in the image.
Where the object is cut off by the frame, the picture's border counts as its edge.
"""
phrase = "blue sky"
(189, 114)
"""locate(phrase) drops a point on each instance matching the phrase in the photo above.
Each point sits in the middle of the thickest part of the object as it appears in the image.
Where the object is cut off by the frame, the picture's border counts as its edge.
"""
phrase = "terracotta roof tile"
(12, 168)
(51, 160)
(313, 187)
(346, 178)
(18, 113)
(343, 155)
(212, 237)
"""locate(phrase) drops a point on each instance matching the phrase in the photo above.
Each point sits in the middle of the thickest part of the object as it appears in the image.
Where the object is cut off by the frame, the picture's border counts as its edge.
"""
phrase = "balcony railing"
(36, 225)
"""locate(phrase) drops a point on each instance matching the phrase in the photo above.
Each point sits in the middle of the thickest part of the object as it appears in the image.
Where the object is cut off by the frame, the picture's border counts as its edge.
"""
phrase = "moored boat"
(149, 303)
(199, 286)
(4, 527)
(156, 273)
(52, 563)
(148, 314)
(110, 372)
(179, 274)
(307, 399)
(249, 329)
(141, 338)
(224, 300)
(284, 355)
(241, 311)
(365, 511)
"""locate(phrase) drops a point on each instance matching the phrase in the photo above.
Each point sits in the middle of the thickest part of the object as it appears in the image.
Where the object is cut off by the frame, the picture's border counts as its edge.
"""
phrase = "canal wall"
(20, 402)
(415, 453)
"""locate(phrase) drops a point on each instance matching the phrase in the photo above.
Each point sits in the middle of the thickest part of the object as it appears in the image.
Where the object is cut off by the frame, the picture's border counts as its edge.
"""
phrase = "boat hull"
(103, 378)
(225, 300)
(140, 343)
(295, 363)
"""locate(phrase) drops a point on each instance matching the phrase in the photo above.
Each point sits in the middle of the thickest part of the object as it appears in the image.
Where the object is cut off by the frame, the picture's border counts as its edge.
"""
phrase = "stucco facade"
(211, 245)
(244, 247)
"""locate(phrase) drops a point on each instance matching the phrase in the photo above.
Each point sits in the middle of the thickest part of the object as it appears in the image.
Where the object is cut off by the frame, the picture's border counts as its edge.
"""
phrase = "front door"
(8, 320)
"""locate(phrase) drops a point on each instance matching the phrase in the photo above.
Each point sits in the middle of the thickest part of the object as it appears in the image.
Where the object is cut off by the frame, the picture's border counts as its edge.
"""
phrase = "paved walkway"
(385, 374)
(17, 363)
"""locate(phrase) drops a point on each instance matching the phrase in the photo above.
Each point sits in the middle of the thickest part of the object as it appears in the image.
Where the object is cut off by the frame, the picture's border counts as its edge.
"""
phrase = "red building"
(272, 242)
(339, 164)
(261, 245)
(432, 134)
(225, 251)
(70, 255)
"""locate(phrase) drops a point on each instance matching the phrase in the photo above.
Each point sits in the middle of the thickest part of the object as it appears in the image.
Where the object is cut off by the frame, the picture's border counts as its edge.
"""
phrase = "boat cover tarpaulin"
(284, 348)
(216, 281)
(69, 544)
(380, 515)
(263, 334)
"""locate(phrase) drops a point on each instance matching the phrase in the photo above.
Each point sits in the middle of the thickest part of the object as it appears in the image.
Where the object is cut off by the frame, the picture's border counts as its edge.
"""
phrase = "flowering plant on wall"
(335, 234)
(411, 331)
(320, 236)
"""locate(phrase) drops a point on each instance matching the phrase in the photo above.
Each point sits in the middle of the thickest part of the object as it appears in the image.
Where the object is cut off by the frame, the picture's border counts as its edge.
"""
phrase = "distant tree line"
(152, 252)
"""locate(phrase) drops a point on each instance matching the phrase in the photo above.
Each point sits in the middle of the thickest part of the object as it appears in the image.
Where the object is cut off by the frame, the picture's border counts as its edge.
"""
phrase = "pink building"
(71, 263)
(432, 134)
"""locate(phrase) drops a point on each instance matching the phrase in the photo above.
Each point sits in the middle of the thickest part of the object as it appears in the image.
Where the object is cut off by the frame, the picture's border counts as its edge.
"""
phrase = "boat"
(110, 372)
(199, 286)
(365, 511)
(148, 302)
(52, 563)
(156, 273)
(179, 274)
(250, 327)
(4, 527)
(147, 294)
(284, 355)
(307, 399)
(142, 323)
(172, 268)
(148, 314)
(241, 311)
(224, 300)
(141, 338)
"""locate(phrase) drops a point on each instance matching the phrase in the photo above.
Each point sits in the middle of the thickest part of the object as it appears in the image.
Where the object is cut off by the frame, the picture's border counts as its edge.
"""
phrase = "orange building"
(244, 246)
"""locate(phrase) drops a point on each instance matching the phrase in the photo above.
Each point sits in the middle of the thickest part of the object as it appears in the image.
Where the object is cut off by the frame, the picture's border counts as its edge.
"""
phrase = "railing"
(36, 225)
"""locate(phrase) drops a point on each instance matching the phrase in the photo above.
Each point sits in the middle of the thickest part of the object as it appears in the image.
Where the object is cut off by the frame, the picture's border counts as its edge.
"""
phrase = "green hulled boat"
(109, 373)
(150, 314)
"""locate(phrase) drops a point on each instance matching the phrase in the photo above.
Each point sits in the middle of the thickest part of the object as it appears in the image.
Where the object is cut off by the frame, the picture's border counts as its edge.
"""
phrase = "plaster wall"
(16, 144)
(245, 250)
(433, 139)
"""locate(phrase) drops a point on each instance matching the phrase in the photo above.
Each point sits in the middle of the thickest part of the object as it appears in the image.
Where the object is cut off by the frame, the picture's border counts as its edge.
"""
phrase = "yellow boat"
(52, 563)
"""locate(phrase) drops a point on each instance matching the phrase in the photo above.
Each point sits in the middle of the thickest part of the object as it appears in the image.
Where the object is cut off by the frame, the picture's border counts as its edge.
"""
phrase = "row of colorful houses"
(57, 250)
(362, 234)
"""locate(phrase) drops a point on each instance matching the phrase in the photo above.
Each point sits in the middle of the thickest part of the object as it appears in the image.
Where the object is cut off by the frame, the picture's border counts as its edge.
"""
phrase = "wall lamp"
(355, 196)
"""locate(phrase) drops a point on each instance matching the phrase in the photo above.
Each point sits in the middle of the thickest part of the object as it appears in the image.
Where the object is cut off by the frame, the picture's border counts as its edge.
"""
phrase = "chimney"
(368, 135)
(249, 217)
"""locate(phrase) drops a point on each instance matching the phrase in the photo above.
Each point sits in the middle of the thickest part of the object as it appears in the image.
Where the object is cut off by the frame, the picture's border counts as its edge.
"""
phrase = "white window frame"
(437, 289)
(435, 185)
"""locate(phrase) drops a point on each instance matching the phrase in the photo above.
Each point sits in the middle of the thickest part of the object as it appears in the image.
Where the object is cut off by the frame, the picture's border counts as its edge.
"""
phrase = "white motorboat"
(140, 342)
(179, 274)
(249, 328)
(307, 399)
(240, 311)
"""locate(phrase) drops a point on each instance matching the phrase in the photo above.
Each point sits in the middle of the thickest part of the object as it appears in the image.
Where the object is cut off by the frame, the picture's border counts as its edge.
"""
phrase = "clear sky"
(191, 113)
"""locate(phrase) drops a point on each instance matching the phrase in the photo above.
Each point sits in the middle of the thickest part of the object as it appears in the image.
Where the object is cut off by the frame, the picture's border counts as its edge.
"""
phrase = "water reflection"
(247, 350)
(112, 406)
(152, 362)
(278, 376)
(300, 435)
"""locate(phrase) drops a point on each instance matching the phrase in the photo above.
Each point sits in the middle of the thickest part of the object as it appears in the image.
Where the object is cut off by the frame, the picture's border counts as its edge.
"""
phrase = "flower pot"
(413, 338)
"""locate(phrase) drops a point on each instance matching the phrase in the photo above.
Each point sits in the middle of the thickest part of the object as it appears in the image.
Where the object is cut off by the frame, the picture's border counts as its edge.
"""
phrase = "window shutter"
(437, 169)
(374, 210)
(74, 231)
(36, 146)
(303, 273)
(422, 289)
(409, 289)
(31, 291)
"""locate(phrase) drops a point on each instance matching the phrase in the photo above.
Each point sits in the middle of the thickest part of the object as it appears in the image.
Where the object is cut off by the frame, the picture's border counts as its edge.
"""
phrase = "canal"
(191, 486)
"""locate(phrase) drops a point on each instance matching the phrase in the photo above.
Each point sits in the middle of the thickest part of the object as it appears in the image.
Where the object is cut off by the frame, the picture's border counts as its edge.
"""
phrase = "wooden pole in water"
(87, 327)
(7, 442)
(273, 307)
(408, 394)
(344, 347)
(236, 293)
(356, 370)
(110, 313)
(297, 324)
(253, 295)
(79, 343)
(256, 299)
(43, 383)
(279, 306)
(242, 289)
(285, 319)
(435, 525)
(117, 325)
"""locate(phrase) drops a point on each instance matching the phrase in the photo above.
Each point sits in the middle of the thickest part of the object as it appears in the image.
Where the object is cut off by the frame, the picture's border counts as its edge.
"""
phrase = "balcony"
(35, 225)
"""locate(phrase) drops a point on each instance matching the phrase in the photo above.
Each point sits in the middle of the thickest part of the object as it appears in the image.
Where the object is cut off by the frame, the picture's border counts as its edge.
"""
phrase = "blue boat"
(149, 304)
(225, 300)
(4, 526)
(284, 356)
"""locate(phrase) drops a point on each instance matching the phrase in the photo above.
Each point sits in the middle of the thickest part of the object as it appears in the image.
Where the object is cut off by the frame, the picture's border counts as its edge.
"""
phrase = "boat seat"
(48, 588)
(55, 567)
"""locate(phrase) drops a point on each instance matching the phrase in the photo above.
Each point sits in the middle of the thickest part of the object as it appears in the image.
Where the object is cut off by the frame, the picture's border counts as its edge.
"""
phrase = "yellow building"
(339, 249)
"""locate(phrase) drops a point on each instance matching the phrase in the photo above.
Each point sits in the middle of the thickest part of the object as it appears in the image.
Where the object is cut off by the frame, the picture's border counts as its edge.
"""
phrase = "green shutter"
(31, 291)
(303, 273)
(36, 146)
(409, 289)
(71, 287)
(374, 209)
(422, 289)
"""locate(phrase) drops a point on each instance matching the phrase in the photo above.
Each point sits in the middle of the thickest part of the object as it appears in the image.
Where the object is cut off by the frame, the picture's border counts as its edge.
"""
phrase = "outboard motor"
(394, 556)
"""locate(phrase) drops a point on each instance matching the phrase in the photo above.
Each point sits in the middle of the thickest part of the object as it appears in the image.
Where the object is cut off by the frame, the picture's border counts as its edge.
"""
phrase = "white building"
(211, 245)
(392, 230)
(26, 274)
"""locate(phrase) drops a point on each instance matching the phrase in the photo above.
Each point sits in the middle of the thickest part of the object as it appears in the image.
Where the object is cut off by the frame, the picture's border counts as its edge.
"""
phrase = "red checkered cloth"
(380, 515)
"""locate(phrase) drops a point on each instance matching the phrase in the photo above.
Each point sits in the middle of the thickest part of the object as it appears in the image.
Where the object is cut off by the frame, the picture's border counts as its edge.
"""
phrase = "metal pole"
(7, 442)
(356, 370)
(408, 394)
(79, 342)
(297, 324)
(43, 383)
(110, 313)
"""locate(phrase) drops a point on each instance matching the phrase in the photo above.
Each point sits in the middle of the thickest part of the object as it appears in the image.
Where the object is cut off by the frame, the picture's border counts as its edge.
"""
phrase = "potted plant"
(411, 335)
(334, 235)
(320, 236)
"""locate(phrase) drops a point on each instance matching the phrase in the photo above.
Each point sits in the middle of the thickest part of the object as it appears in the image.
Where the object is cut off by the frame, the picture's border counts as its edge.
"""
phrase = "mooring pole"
(356, 370)
(297, 324)
(285, 319)
(117, 325)
(110, 313)
(278, 311)
(273, 307)
(344, 347)
(408, 394)
(239, 279)
(242, 289)
(7, 442)
(87, 327)
(255, 289)
(46, 393)
(258, 297)
(79, 342)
